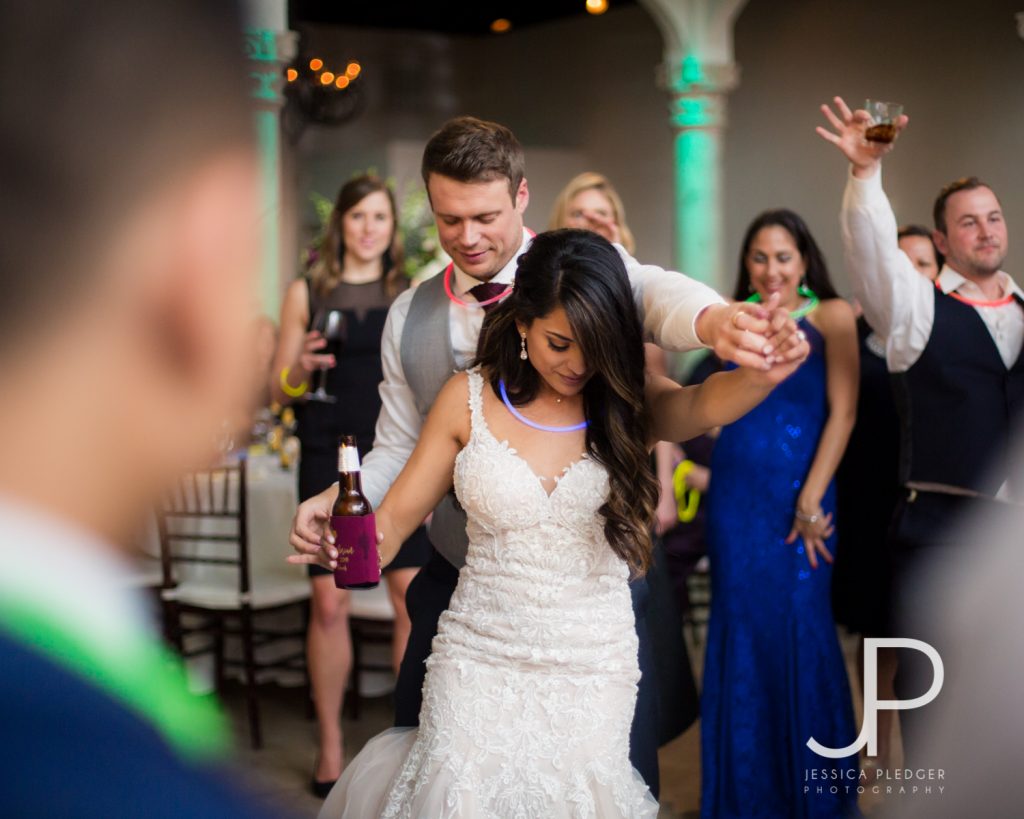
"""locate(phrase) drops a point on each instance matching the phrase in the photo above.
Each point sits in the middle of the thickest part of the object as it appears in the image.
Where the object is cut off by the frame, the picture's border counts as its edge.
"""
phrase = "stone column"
(698, 72)
(269, 47)
(698, 117)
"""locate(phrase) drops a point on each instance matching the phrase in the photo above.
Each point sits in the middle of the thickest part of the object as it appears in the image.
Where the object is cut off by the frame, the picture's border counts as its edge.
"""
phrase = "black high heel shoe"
(321, 789)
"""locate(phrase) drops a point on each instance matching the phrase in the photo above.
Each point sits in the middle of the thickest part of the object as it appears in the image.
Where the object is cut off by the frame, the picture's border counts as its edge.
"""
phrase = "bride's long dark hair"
(581, 272)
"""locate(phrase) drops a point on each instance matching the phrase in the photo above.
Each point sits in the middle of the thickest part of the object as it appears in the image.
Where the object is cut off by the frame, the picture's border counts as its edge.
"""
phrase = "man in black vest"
(954, 350)
(474, 172)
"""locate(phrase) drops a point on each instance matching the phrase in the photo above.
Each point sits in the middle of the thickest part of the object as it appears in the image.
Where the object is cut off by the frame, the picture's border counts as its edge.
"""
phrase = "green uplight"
(696, 229)
(691, 72)
(267, 129)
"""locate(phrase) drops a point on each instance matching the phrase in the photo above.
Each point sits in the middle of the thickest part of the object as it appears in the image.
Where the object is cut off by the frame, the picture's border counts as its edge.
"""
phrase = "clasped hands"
(758, 336)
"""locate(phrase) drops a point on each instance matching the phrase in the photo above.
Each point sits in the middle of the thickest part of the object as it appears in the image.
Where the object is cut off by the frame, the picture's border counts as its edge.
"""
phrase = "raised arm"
(680, 313)
(424, 480)
(836, 322)
(884, 279)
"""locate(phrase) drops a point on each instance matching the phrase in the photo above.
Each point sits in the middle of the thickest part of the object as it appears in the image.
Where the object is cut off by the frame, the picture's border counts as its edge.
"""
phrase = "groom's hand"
(309, 528)
(788, 342)
(739, 332)
(791, 347)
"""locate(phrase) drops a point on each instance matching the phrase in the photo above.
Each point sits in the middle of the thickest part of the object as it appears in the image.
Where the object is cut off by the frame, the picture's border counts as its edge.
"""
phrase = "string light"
(325, 78)
(501, 25)
(597, 6)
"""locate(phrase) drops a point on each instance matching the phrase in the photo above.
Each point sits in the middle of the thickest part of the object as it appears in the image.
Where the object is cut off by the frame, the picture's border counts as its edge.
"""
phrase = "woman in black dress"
(356, 273)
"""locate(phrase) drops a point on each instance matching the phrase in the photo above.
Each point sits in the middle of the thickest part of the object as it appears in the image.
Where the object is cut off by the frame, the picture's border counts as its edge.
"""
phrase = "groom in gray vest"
(474, 172)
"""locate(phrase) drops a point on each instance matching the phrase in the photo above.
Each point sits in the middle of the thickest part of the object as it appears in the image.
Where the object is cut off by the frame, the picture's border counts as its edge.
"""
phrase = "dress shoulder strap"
(476, 398)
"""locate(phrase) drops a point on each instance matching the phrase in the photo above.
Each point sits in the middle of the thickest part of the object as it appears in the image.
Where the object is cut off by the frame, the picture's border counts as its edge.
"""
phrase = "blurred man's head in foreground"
(128, 237)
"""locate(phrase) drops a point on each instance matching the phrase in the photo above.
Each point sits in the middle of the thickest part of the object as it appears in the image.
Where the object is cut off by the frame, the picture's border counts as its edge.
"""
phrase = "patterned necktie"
(488, 290)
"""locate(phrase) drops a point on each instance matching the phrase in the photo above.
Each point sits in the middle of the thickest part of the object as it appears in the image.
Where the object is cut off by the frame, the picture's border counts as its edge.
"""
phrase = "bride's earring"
(522, 346)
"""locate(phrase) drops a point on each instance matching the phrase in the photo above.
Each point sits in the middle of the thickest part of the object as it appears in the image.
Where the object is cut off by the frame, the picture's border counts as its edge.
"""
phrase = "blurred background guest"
(686, 542)
(590, 202)
(128, 343)
(917, 242)
(867, 491)
(356, 276)
(972, 733)
(774, 673)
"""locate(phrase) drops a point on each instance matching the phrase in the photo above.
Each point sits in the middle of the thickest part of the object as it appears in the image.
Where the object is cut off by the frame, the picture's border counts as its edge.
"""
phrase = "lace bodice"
(505, 500)
(537, 563)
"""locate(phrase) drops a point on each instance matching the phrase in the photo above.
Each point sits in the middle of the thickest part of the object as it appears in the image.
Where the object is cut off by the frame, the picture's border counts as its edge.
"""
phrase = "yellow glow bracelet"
(288, 389)
(687, 500)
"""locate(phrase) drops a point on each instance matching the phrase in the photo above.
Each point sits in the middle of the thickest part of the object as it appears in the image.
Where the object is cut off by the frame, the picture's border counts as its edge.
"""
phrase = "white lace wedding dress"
(531, 683)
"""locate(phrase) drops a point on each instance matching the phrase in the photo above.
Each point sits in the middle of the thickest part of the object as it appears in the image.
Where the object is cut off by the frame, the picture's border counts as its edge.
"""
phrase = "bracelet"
(807, 518)
(687, 500)
(288, 389)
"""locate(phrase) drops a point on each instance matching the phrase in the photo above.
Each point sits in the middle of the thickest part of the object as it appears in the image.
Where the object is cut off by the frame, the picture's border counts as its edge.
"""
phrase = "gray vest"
(428, 362)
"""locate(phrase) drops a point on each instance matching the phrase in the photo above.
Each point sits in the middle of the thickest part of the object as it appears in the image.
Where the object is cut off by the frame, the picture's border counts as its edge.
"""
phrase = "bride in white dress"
(531, 683)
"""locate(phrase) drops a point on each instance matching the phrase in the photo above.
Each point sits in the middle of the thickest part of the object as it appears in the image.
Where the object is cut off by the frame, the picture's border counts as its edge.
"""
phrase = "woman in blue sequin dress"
(774, 674)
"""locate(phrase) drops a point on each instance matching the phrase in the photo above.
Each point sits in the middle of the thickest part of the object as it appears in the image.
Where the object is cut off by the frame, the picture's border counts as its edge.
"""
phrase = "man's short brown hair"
(966, 183)
(468, 149)
(129, 95)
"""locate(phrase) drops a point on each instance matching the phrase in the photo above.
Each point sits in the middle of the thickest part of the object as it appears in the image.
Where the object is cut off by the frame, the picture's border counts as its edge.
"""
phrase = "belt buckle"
(912, 496)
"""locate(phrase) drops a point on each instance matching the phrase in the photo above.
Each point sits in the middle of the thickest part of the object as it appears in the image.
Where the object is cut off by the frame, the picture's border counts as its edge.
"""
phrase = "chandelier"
(320, 94)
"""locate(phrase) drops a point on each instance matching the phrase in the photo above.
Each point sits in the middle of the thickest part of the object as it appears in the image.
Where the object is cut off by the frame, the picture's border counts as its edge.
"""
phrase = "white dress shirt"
(80, 583)
(669, 305)
(898, 302)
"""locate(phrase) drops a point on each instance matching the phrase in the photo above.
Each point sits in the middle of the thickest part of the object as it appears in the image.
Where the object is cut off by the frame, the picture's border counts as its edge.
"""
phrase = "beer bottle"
(353, 523)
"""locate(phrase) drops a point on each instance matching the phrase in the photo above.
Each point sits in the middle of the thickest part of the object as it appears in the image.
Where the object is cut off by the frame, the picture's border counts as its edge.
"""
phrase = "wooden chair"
(698, 587)
(209, 590)
(146, 577)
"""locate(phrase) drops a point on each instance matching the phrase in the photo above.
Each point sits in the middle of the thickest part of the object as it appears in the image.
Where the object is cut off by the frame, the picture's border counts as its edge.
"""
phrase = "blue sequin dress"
(774, 674)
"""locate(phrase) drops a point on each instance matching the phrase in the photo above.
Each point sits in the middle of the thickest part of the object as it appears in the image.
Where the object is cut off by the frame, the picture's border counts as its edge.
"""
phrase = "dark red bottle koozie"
(355, 538)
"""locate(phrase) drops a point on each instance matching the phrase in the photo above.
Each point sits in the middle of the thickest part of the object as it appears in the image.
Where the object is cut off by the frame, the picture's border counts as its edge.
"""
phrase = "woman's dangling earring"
(522, 346)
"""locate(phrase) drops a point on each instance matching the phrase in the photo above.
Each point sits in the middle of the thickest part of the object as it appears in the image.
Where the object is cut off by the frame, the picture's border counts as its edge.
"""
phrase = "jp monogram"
(869, 728)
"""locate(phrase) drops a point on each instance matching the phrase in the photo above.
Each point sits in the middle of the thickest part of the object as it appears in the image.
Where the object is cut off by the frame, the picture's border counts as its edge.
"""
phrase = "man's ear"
(941, 242)
(522, 197)
(203, 295)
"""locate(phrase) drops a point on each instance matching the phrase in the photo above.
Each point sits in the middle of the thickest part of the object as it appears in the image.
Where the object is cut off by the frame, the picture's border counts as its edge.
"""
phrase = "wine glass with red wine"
(331, 325)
